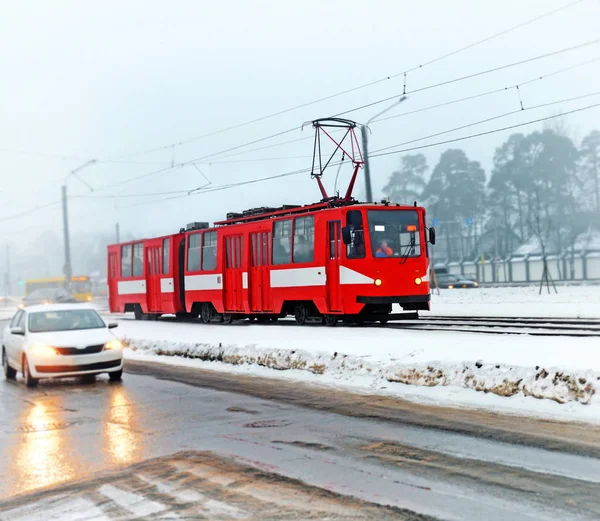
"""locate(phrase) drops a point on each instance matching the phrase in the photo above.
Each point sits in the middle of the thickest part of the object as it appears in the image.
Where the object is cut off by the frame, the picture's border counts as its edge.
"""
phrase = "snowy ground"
(525, 301)
(543, 376)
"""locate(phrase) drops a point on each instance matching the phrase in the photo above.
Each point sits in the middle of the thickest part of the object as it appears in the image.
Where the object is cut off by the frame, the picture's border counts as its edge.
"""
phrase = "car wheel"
(116, 376)
(88, 378)
(30, 381)
(9, 372)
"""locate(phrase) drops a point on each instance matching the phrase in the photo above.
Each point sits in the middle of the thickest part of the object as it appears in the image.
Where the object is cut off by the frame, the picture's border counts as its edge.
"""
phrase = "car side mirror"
(17, 331)
(346, 235)
(432, 235)
(112, 325)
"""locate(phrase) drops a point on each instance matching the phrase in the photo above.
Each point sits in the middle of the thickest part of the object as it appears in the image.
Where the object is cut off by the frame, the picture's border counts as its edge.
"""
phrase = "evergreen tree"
(406, 185)
(589, 168)
(456, 187)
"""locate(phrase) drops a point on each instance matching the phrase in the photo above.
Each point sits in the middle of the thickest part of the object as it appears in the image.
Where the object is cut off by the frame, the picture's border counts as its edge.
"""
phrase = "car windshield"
(82, 286)
(394, 233)
(448, 278)
(64, 320)
(47, 293)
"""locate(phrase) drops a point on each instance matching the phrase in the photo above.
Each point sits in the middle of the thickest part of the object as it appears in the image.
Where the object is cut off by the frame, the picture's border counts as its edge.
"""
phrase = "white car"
(59, 340)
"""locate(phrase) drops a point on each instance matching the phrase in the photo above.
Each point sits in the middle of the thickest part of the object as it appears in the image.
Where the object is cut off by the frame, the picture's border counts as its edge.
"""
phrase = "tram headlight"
(418, 281)
(378, 282)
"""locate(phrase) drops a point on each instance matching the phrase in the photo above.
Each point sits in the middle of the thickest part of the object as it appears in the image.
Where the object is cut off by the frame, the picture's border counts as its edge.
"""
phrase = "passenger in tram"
(384, 250)
(303, 251)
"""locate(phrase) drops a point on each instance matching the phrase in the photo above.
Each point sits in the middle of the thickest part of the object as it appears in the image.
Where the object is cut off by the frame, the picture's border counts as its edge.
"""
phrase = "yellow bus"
(81, 286)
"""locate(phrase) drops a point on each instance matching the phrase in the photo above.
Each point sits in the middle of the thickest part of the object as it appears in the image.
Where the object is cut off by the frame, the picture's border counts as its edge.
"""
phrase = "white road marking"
(137, 505)
(184, 495)
(77, 509)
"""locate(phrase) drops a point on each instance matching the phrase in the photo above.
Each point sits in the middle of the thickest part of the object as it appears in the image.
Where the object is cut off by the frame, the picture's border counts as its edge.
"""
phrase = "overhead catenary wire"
(487, 120)
(494, 131)
(423, 109)
(364, 85)
(198, 160)
(489, 92)
(265, 138)
(422, 89)
(473, 75)
(420, 147)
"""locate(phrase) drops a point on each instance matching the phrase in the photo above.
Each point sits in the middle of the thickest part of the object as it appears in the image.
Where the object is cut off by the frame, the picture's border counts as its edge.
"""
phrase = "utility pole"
(118, 233)
(68, 270)
(365, 145)
(67, 267)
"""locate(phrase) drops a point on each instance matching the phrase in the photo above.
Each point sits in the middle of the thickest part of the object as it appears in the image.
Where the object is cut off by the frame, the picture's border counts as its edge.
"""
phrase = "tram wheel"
(331, 320)
(300, 314)
(227, 318)
(205, 313)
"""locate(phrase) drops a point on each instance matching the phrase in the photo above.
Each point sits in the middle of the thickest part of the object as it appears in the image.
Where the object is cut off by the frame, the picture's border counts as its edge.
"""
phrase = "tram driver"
(384, 249)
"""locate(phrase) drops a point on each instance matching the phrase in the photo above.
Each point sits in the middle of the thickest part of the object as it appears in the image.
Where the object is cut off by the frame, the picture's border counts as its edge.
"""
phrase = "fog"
(111, 80)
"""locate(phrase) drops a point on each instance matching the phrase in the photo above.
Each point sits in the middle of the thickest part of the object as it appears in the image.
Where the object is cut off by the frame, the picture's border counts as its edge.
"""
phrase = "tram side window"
(193, 253)
(282, 242)
(126, 252)
(138, 259)
(356, 248)
(209, 251)
(166, 248)
(304, 239)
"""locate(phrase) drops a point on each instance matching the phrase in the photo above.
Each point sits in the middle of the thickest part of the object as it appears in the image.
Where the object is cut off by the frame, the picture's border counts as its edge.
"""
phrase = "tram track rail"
(532, 326)
(501, 325)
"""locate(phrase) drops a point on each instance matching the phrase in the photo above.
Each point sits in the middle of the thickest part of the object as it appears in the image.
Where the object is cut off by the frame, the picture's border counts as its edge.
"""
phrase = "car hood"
(79, 338)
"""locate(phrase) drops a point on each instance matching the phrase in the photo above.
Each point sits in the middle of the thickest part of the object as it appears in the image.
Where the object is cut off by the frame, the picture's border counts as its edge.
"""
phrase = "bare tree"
(541, 225)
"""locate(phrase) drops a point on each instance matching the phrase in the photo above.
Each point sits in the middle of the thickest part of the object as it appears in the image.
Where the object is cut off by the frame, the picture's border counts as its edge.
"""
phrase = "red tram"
(335, 260)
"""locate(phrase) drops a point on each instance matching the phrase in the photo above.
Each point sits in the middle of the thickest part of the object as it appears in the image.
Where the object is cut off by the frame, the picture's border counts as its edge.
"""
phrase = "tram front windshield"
(394, 233)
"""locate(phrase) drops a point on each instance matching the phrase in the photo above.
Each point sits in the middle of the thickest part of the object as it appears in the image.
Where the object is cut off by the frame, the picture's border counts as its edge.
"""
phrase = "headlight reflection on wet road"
(42, 457)
(122, 440)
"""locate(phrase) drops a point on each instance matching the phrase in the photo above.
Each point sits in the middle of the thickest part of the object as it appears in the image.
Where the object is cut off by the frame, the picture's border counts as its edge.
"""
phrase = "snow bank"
(501, 379)
(522, 371)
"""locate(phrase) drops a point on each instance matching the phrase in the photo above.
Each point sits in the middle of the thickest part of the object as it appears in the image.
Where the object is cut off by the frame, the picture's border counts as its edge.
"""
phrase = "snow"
(543, 376)
(522, 301)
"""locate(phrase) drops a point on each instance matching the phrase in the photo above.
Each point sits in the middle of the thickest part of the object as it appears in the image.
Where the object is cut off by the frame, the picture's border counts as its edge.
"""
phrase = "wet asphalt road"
(66, 431)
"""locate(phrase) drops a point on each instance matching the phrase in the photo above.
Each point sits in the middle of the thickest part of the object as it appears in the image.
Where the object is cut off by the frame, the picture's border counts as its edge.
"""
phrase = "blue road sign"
(435, 222)
(469, 220)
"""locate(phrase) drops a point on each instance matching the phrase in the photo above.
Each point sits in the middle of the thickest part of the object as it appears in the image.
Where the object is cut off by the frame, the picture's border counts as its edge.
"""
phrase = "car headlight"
(42, 350)
(115, 343)
(450, 286)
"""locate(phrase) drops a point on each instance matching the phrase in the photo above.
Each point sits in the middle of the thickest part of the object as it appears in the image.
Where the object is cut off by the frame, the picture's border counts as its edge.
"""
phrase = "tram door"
(153, 257)
(113, 273)
(334, 296)
(233, 273)
(259, 279)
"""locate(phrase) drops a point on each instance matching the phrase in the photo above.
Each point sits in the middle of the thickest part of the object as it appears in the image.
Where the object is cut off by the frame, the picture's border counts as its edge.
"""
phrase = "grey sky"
(107, 79)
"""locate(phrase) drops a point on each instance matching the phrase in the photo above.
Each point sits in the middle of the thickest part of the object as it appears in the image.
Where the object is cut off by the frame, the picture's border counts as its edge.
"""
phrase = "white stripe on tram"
(131, 287)
(298, 277)
(167, 285)
(203, 282)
